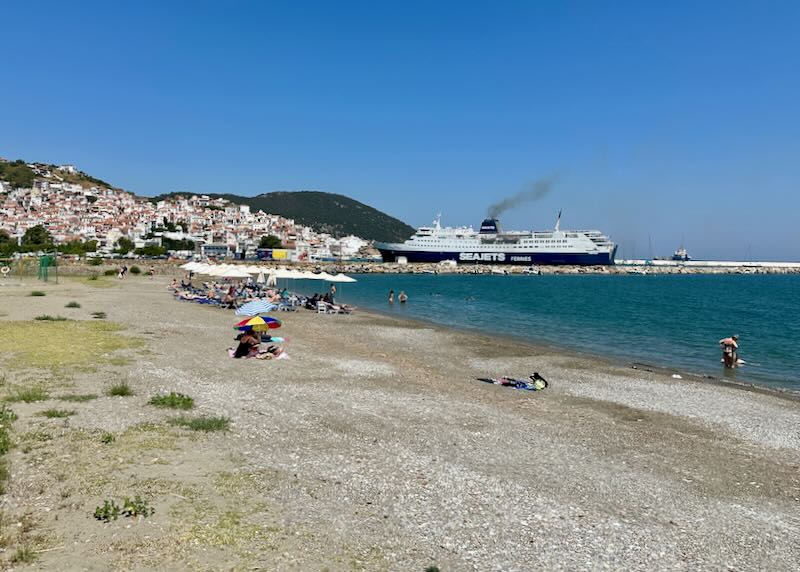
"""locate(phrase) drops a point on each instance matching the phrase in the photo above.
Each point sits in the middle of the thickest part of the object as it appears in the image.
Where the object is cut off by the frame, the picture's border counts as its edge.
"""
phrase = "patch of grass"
(49, 318)
(56, 413)
(37, 293)
(110, 272)
(121, 389)
(7, 417)
(95, 262)
(28, 395)
(66, 344)
(107, 438)
(23, 555)
(99, 315)
(135, 270)
(72, 305)
(110, 510)
(93, 277)
(78, 398)
(202, 423)
(432, 569)
(173, 400)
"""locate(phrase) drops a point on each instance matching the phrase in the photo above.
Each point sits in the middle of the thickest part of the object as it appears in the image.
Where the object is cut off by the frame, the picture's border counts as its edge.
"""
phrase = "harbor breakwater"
(626, 267)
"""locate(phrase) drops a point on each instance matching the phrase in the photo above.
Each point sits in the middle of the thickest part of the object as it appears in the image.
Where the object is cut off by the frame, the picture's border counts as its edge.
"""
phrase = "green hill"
(325, 212)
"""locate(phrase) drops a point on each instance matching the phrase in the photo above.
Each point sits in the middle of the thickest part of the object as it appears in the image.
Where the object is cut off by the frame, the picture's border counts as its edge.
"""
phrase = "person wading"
(730, 347)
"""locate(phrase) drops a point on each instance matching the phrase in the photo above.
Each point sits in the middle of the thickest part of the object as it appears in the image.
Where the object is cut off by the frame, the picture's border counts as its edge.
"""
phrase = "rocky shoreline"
(170, 267)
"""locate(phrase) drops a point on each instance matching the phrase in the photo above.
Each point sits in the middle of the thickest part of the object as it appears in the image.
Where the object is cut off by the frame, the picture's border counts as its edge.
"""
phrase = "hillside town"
(73, 208)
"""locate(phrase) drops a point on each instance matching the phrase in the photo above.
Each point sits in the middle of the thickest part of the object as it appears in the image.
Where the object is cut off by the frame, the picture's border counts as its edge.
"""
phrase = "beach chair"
(322, 308)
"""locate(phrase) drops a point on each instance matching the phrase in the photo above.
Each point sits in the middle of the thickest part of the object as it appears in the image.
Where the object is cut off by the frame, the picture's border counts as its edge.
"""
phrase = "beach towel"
(535, 382)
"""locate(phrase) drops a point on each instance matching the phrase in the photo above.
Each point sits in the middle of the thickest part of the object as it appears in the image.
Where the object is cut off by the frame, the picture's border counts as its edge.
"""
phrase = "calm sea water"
(674, 321)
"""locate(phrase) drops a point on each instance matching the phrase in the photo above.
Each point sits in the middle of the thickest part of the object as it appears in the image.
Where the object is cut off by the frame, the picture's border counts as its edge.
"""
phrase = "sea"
(674, 321)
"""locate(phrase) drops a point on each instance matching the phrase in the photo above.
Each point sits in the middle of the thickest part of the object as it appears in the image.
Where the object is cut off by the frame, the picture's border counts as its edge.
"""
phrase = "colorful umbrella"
(258, 324)
(255, 307)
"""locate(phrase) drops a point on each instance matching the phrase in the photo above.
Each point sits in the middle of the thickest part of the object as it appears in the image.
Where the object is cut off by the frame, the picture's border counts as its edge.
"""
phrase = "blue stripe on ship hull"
(391, 255)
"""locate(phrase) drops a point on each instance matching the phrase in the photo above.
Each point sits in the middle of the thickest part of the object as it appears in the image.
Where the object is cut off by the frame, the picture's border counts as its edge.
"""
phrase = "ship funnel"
(490, 226)
(558, 220)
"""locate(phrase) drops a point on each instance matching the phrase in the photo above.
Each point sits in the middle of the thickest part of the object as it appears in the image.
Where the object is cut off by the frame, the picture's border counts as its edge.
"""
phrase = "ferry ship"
(490, 245)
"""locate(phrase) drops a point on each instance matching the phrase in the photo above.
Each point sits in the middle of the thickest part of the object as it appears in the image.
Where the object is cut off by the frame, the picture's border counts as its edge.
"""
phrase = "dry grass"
(64, 344)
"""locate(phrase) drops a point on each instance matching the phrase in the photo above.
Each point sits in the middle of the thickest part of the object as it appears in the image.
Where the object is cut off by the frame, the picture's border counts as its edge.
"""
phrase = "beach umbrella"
(234, 273)
(342, 278)
(255, 307)
(253, 269)
(261, 279)
(258, 324)
(272, 279)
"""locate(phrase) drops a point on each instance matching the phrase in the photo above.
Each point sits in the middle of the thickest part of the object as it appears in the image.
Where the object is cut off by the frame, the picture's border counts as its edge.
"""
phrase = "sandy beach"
(374, 447)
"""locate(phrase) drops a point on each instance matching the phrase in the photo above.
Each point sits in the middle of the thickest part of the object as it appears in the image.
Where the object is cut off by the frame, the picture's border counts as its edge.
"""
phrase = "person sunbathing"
(249, 343)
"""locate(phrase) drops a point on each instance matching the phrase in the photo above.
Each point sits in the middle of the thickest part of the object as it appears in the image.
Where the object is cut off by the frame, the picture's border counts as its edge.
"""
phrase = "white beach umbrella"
(234, 273)
(325, 276)
(342, 278)
(261, 279)
(253, 269)
(188, 266)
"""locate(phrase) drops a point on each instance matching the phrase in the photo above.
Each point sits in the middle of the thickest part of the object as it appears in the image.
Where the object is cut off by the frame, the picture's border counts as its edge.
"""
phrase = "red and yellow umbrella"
(258, 324)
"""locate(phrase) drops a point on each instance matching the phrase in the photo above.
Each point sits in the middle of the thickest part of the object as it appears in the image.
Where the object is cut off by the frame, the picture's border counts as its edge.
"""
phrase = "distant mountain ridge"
(335, 214)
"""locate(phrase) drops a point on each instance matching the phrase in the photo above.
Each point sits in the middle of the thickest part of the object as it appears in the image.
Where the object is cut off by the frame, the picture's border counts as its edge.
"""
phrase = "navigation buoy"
(5, 270)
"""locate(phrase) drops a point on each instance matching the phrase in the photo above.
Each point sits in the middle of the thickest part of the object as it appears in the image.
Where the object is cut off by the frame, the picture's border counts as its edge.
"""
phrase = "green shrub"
(121, 389)
(23, 555)
(110, 272)
(73, 305)
(108, 512)
(173, 400)
(202, 423)
(99, 315)
(78, 398)
(130, 507)
(92, 277)
(37, 293)
(135, 270)
(28, 395)
(49, 318)
(107, 438)
(56, 413)
(96, 262)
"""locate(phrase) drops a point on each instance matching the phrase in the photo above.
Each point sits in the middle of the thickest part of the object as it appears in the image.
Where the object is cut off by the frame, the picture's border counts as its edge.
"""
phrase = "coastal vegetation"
(79, 398)
(202, 423)
(172, 400)
(17, 173)
(61, 344)
(121, 389)
(72, 305)
(57, 413)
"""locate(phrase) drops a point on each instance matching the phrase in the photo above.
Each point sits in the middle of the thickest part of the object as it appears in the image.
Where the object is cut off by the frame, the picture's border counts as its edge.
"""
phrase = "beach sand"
(374, 447)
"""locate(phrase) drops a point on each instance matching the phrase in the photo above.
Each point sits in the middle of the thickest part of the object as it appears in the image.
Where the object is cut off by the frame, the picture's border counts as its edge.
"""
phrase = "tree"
(270, 241)
(4, 237)
(37, 237)
(124, 245)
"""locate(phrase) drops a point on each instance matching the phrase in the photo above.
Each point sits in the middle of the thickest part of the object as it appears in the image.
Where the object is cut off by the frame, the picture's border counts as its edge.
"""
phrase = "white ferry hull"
(391, 253)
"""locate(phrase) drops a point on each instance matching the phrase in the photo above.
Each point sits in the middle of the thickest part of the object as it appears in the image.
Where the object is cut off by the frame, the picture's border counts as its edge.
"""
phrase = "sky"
(661, 123)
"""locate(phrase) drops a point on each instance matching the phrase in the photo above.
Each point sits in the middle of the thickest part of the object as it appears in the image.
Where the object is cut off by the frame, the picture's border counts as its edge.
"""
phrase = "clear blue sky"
(666, 120)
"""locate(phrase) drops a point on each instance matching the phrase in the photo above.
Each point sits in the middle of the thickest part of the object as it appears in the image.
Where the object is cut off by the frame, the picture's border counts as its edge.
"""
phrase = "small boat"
(681, 255)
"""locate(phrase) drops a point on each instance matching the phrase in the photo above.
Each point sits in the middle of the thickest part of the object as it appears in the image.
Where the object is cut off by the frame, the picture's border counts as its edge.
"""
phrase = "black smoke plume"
(533, 192)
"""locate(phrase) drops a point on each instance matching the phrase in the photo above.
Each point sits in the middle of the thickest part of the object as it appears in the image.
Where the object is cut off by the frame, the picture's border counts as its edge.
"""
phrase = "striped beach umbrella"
(255, 307)
(258, 324)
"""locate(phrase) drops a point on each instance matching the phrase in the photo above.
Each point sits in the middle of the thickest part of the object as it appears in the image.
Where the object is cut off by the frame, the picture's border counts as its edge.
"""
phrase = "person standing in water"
(730, 347)
(402, 298)
(391, 296)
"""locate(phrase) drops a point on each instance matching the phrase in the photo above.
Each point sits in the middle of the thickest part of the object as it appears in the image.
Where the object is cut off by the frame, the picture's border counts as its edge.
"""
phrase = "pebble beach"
(376, 447)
